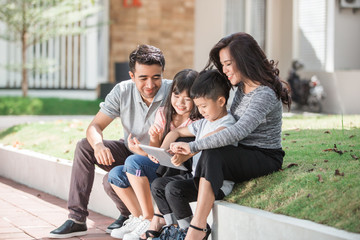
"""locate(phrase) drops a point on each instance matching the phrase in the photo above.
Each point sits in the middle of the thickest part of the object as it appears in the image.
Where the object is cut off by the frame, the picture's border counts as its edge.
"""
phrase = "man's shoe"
(69, 229)
(118, 223)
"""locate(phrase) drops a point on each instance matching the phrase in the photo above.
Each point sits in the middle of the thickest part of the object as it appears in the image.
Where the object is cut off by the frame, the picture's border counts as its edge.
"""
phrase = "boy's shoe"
(181, 234)
(128, 226)
(138, 231)
(118, 223)
(69, 229)
(167, 232)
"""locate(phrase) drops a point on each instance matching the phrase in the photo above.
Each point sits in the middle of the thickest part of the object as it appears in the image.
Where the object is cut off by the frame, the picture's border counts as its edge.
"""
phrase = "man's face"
(147, 79)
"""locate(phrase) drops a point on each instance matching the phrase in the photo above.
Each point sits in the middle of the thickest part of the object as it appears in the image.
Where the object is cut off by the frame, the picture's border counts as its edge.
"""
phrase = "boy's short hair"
(147, 55)
(210, 84)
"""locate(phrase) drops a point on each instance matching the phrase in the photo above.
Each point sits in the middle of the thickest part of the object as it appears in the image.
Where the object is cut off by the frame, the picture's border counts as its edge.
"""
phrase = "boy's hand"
(180, 148)
(103, 154)
(178, 159)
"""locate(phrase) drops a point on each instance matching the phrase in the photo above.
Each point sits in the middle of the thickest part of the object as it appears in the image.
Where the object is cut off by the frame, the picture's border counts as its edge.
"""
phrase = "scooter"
(305, 92)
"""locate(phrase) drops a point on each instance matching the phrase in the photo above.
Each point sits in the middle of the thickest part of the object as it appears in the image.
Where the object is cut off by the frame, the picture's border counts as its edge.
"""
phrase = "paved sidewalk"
(26, 213)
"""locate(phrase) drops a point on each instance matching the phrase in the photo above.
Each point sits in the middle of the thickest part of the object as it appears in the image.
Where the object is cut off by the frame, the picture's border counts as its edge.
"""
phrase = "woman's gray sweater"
(258, 116)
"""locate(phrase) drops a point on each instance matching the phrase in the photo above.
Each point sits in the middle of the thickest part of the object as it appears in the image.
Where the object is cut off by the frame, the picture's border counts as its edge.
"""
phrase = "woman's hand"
(133, 145)
(103, 154)
(178, 159)
(180, 148)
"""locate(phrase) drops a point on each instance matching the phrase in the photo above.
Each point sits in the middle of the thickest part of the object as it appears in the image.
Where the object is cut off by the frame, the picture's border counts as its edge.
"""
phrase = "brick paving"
(27, 213)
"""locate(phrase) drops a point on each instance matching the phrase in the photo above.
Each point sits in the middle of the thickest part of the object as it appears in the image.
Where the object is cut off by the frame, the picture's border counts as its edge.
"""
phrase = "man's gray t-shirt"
(124, 101)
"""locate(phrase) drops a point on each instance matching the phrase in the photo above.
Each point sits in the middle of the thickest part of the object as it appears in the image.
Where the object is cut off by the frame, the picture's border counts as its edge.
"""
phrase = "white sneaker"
(138, 231)
(128, 226)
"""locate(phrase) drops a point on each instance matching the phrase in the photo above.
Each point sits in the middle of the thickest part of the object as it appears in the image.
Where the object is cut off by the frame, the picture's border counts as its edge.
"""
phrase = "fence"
(80, 62)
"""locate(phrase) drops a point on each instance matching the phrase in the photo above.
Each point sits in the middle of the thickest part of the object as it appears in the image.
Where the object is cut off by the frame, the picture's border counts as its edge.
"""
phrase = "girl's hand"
(133, 144)
(180, 148)
(154, 131)
(152, 158)
(178, 159)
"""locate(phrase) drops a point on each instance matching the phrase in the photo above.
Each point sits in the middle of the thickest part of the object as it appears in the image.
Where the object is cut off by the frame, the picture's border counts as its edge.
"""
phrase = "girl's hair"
(210, 84)
(182, 81)
(252, 63)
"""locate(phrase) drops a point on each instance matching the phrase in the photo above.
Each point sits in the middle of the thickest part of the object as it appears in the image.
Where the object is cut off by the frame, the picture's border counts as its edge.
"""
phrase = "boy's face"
(147, 79)
(211, 110)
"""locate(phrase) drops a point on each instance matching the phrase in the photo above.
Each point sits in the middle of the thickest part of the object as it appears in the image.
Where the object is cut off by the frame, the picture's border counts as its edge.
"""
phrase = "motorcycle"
(305, 92)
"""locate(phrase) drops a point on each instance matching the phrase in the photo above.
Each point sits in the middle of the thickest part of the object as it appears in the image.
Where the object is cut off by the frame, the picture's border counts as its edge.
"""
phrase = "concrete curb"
(229, 221)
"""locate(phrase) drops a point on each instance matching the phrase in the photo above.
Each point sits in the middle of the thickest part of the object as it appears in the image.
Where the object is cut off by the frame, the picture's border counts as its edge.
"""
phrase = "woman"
(257, 108)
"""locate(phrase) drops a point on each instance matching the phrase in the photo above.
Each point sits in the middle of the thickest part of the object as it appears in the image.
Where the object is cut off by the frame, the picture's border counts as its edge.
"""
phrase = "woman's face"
(229, 66)
(182, 103)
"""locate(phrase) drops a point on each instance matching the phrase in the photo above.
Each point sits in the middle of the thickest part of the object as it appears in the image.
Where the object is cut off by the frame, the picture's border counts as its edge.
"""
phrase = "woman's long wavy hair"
(182, 81)
(252, 63)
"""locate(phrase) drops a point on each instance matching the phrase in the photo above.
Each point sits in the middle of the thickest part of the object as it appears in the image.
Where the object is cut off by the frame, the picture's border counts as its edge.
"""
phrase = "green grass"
(47, 106)
(309, 189)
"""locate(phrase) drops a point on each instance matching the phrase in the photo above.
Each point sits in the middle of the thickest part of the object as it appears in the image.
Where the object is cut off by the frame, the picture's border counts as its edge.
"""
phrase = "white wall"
(209, 29)
(279, 34)
(347, 39)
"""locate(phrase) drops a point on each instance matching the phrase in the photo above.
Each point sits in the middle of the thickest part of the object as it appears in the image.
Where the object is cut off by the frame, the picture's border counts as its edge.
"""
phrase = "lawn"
(319, 181)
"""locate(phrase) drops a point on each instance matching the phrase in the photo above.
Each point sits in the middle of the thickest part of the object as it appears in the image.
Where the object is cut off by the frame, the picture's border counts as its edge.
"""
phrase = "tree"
(34, 21)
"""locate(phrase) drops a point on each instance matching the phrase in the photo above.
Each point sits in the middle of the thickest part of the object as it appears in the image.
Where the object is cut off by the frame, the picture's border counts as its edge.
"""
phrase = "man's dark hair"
(147, 55)
(210, 84)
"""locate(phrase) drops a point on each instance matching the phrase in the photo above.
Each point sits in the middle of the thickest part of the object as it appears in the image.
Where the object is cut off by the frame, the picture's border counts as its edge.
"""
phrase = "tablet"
(162, 156)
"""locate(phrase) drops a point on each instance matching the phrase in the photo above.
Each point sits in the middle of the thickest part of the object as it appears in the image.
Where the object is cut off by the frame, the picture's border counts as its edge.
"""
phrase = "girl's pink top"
(160, 120)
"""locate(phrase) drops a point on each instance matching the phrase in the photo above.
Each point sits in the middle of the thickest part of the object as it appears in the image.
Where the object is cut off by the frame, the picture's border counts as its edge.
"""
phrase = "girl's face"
(182, 103)
(229, 66)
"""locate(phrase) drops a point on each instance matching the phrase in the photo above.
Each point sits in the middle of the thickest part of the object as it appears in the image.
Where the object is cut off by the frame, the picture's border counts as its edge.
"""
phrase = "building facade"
(323, 34)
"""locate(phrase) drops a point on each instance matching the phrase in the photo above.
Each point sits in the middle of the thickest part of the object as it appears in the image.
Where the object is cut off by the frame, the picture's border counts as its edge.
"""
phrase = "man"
(135, 101)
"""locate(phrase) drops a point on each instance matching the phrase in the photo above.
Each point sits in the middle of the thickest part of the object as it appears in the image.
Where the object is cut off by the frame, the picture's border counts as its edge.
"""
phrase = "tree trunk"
(24, 82)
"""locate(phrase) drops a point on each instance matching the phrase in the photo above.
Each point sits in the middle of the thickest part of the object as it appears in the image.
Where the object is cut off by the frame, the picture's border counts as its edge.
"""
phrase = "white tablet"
(162, 156)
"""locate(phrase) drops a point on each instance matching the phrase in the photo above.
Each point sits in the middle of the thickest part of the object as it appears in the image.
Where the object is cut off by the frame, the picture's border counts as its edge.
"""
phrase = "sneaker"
(69, 229)
(138, 231)
(128, 226)
(118, 223)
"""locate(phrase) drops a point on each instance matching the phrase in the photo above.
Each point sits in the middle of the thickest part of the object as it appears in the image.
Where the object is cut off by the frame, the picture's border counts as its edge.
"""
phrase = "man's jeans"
(82, 177)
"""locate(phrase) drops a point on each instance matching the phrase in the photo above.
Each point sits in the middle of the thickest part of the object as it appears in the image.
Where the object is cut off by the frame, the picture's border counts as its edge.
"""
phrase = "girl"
(131, 181)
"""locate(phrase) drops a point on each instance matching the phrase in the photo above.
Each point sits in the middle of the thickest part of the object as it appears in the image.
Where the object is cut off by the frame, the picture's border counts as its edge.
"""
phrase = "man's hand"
(103, 154)
(180, 148)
